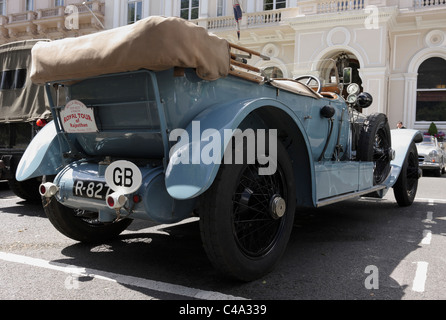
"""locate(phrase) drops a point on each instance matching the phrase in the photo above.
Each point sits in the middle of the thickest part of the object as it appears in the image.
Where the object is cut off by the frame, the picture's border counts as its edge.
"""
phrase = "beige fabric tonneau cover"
(155, 43)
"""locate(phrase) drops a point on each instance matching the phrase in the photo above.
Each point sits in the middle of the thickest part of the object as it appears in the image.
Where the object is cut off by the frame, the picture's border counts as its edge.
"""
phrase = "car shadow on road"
(360, 250)
(33, 209)
(354, 250)
(172, 255)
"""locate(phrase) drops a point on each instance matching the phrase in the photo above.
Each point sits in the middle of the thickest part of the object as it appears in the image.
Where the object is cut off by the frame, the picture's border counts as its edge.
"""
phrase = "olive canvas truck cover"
(20, 99)
(22, 103)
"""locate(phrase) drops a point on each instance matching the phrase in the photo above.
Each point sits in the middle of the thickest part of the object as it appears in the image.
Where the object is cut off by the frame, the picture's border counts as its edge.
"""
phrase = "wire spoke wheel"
(246, 218)
(258, 205)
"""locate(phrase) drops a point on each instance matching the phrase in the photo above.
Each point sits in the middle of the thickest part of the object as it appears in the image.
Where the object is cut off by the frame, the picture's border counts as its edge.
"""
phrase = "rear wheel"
(27, 189)
(406, 186)
(81, 225)
(246, 218)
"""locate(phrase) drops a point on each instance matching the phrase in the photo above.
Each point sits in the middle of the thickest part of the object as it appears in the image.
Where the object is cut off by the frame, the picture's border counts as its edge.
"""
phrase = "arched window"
(431, 90)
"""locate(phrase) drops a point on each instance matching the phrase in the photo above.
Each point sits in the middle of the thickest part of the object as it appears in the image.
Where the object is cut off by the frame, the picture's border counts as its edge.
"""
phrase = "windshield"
(428, 141)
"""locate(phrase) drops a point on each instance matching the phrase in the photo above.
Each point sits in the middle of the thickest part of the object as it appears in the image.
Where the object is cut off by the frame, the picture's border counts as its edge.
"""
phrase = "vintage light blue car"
(159, 119)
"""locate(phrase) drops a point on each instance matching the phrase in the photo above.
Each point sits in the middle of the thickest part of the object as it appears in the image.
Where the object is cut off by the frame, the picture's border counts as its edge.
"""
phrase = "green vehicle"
(24, 109)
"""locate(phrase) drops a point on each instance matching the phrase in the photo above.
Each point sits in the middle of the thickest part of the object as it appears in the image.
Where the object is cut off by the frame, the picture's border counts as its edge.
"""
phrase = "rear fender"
(43, 156)
(188, 174)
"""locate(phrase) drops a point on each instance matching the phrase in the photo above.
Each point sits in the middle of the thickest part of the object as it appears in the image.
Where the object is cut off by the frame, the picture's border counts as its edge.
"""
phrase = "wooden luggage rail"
(239, 60)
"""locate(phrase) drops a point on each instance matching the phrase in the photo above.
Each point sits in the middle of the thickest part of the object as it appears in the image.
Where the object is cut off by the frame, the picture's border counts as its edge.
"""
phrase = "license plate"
(91, 189)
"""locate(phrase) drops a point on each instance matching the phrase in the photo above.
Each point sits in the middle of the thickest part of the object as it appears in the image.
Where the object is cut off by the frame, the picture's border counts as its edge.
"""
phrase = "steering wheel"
(310, 78)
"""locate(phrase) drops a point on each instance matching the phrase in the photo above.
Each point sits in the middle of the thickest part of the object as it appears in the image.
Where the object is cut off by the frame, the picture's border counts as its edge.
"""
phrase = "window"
(221, 5)
(134, 11)
(274, 4)
(431, 90)
(189, 9)
(29, 5)
(12, 79)
(58, 3)
(2, 7)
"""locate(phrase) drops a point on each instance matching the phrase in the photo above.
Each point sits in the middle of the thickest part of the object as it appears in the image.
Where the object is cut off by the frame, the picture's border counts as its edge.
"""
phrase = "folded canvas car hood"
(155, 43)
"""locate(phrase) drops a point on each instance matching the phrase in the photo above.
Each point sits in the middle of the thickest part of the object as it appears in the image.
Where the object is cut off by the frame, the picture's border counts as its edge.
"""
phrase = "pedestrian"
(399, 125)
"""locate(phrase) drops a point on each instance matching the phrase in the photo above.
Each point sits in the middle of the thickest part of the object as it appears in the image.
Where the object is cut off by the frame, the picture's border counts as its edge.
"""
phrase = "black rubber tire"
(406, 186)
(80, 225)
(27, 189)
(374, 145)
(233, 245)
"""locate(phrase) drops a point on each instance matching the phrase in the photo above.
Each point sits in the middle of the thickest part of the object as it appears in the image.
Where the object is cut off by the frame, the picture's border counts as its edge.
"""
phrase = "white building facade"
(397, 48)
(49, 19)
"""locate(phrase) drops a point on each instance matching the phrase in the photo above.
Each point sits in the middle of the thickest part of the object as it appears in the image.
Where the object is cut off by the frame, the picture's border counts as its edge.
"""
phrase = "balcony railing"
(429, 3)
(269, 17)
(339, 5)
(249, 20)
(51, 12)
(95, 6)
(304, 7)
(21, 17)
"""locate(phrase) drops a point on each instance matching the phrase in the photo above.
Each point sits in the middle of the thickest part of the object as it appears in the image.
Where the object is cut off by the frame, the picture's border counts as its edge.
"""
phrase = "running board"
(349, 195)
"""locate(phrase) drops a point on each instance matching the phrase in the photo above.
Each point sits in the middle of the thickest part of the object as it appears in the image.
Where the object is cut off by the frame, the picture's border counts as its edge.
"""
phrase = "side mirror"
(347, 75)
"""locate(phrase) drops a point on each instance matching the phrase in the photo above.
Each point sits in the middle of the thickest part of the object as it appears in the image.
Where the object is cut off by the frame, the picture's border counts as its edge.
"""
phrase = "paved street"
(360, 249)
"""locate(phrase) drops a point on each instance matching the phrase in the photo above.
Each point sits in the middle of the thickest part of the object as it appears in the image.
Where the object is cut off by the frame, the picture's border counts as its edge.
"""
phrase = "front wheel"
(246, 218)
(406, 186)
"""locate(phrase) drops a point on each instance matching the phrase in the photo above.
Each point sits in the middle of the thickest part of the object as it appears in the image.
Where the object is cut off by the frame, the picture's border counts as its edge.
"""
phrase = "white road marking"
(421, 273)
(159, 227)
(420, 276)
(427, 237)
(429, 218)
(430, 201)
(119, 278)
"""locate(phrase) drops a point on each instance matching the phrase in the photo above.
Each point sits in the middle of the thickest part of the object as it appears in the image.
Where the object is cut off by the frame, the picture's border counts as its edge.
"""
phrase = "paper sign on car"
(77, 118)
